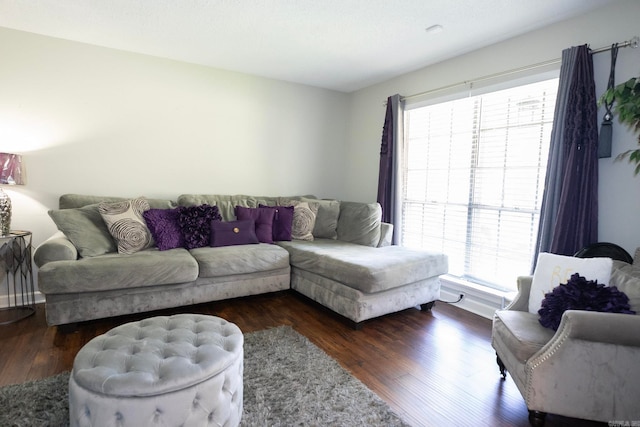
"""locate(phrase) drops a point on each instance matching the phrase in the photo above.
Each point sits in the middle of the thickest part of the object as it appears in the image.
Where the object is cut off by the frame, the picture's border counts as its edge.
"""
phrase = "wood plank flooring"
(433, 368)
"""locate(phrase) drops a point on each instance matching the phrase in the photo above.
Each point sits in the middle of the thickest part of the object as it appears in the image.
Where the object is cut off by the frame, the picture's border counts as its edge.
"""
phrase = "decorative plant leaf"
(608, 97)
(626, 105)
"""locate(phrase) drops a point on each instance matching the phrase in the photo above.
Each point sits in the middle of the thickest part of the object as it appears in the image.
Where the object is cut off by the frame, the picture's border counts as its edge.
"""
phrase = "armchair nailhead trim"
(548, 351)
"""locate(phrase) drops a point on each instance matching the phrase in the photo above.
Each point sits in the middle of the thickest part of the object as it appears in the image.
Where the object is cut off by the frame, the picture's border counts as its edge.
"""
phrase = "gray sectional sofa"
(349, 266)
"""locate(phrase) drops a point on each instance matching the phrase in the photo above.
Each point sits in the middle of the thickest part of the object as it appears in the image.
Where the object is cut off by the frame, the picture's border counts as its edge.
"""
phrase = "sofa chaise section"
(361, 282)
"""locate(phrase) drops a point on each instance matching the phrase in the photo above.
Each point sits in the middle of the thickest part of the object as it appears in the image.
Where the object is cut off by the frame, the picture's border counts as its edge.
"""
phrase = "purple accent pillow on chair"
(263, 219)
(581, 294)
(164, 227)
(195, 223)
(240, 232)
(282, 222)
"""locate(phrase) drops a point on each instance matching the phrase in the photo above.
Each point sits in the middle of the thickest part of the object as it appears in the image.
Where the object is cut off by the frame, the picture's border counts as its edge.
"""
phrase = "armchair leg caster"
(503, 369)
(537, 418)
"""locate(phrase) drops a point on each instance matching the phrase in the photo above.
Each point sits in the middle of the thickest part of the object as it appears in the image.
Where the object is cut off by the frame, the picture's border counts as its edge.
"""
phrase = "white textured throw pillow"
(304, 218)
(552, 270)
(126, 224)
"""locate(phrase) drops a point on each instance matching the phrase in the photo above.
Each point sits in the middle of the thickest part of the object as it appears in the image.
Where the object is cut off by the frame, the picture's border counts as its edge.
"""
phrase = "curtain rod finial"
(634, 42)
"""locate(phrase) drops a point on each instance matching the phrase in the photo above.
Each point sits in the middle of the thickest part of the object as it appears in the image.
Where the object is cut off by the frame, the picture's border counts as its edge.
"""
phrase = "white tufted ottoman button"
(182, 370)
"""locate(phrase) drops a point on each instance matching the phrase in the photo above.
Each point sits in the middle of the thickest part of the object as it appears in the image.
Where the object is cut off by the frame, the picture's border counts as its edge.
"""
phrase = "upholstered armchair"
(589, 368)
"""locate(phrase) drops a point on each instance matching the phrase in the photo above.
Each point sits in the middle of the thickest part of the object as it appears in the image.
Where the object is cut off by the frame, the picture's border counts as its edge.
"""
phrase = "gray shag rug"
(288, 381)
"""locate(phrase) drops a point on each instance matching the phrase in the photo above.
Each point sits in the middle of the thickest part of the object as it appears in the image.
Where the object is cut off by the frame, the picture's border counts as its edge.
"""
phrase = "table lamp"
(11, 173)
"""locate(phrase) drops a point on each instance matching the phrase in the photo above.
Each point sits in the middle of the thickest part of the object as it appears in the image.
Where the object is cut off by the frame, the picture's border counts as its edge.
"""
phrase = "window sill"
(478, 299)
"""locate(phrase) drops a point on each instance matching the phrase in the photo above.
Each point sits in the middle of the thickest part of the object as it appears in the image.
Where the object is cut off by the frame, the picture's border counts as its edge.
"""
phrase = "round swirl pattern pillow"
(304, 219)
(126, 224)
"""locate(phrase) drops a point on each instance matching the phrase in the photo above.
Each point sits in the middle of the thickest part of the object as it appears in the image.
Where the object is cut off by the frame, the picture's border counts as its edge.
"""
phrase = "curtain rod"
(633, 42)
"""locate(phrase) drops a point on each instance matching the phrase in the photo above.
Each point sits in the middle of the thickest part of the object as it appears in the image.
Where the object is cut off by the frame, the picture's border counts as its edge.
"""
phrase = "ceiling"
(343, 45)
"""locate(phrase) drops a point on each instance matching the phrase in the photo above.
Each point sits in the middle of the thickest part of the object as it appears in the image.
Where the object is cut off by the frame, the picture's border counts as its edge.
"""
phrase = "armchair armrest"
(521, 301)
(611, 328)
(56, 248)
(588, 369)
(578, 328)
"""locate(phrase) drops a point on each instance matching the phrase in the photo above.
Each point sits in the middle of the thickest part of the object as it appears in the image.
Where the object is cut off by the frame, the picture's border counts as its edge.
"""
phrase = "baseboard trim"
(39, 299)
(477, 299)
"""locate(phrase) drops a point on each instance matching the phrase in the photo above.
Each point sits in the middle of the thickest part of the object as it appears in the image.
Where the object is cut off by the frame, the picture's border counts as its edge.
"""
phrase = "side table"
(17, 277)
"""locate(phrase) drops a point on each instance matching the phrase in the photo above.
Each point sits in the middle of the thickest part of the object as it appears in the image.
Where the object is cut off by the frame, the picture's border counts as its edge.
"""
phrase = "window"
(473, 178)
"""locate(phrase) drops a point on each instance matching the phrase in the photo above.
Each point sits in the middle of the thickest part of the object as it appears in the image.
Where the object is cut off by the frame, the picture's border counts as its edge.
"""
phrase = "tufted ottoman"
(182, 370)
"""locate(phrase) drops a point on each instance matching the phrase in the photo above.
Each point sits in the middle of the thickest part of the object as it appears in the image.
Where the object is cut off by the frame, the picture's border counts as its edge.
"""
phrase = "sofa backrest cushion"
(85, 228)
(360, 223)
(626, 277)
(69, 201)
(226, 203)
(326, 225)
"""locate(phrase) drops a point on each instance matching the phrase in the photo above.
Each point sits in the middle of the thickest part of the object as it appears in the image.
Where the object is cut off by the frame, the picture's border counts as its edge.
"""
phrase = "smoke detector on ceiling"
(434, 29)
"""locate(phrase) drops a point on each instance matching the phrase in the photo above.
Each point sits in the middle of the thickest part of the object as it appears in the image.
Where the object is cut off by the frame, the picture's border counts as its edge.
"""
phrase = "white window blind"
(473, 178)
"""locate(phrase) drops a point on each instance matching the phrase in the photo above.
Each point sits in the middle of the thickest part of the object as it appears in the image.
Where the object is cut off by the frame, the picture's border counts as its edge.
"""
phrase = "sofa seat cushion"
(239, 259)
(520, 331)
(367, 269)
(108, 272)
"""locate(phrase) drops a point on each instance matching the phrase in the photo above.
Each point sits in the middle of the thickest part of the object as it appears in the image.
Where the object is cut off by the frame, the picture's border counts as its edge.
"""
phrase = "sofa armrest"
(521, 301)
(386, 234)
(612, 328)
(56, 248)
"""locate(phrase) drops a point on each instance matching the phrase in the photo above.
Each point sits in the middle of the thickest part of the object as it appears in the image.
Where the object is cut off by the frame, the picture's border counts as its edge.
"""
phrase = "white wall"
(100, 121)
(619, 190)
(91, 120)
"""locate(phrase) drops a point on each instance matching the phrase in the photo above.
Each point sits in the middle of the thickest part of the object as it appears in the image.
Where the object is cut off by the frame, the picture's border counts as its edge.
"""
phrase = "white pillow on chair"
(552, 270)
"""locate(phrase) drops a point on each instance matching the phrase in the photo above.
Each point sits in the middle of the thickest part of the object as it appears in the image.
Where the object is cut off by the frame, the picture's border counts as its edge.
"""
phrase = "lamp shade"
(11, 172)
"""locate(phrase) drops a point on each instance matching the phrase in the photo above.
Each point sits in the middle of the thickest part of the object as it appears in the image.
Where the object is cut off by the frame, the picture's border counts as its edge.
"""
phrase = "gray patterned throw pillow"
(126, 224)
(304, 219)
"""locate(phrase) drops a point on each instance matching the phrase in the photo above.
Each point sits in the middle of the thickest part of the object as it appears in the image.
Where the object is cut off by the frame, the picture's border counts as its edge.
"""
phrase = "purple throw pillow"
(195, 224)
(581, 294)
(263, 219)
(240, 232)
(282, 222)
(164, 227)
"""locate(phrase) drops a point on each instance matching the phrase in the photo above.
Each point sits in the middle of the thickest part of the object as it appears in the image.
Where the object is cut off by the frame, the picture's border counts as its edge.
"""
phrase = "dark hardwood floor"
(433, 368)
